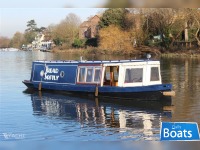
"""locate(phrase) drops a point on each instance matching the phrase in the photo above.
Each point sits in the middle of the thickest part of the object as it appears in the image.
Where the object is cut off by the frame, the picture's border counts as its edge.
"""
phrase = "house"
(37, 42)
(89, 29)
(42, 40)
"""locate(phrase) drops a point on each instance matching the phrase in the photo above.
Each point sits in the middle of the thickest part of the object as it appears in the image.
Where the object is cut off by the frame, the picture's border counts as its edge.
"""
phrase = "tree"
(72, 22)
(115, 39)
(158, 22)
(31, 25)
(185, 25)
(195, 13)
(4, 42)
(79, 43)
(41, 29)
(17, 40)
(134, 22)
(179, 26)
(29, 37)
(66, 31)
(197, 34)
(30, 32)
(113, 16)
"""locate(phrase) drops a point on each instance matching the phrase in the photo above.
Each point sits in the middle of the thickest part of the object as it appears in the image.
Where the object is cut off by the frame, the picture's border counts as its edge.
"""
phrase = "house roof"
(85, 24)
(89, 22)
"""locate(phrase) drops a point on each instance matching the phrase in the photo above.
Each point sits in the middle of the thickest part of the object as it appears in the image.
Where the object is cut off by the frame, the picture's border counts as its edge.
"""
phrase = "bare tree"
(196, 17)
(67, 30)
(4, 42)
(17, 40)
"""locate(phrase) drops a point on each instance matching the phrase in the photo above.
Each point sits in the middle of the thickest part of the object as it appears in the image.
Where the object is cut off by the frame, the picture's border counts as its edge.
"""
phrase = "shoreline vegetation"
(141, 51)
(125, 32)
(156, 53)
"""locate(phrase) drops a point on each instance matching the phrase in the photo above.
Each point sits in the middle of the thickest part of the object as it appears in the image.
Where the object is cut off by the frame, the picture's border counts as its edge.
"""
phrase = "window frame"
(97, 68)
(134, 83)
(79, 68)
(93, 74)
(158, 75)
(87, 68)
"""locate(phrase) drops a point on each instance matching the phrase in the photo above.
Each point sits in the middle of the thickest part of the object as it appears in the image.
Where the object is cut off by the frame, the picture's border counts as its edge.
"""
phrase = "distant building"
(42, 41)
(89, 29)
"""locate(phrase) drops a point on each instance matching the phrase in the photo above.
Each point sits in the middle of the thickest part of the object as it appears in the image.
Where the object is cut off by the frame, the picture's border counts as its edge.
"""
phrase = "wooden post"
(40, 86)
(111, 75)
(96, 91)
(169, 93)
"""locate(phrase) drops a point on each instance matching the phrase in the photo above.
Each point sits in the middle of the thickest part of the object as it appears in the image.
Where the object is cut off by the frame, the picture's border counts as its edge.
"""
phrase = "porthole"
(62, 74)
(42, 73)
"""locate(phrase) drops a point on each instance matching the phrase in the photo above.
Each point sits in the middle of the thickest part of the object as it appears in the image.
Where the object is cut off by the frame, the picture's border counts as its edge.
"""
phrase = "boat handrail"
(86, 61)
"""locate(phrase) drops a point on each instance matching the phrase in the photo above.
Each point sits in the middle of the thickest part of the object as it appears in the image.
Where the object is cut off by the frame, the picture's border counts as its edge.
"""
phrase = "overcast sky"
(15, 19)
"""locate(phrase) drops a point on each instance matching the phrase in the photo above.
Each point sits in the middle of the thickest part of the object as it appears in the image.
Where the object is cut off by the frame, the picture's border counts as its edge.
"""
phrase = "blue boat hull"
(152, 92)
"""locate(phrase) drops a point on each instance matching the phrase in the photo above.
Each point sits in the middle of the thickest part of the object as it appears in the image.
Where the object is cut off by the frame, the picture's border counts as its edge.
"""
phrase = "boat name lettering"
(51, 71)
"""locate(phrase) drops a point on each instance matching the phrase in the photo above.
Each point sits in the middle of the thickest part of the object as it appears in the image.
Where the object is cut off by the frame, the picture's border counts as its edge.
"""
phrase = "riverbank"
(137, 52)
(182, 54)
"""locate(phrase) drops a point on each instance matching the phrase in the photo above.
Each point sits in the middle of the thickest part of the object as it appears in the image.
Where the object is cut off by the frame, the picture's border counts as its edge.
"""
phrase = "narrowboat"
(131, 79)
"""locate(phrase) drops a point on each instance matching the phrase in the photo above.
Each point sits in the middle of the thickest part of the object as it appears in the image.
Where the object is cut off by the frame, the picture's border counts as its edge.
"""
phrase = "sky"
(50, 3)
(15, 19)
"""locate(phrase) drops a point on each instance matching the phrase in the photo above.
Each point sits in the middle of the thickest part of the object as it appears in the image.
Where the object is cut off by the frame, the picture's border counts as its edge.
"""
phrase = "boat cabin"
(122, 73)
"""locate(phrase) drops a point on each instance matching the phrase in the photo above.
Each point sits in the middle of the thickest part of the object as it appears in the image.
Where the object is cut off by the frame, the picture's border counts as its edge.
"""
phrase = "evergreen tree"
(30, 32)
(113, 16)
(31, 25)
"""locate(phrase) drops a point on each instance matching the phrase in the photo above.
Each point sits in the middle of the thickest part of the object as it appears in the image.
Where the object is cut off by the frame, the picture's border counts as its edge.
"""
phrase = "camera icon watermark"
(14, 136)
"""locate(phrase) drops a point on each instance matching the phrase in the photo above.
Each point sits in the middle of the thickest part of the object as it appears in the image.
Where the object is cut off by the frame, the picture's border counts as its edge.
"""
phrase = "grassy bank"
(141, 51)
(182, 53)
(136, 51)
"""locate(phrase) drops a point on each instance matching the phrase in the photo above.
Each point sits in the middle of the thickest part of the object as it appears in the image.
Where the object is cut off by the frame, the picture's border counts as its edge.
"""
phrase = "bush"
(114, 39)
(91, 42)
(79, 43)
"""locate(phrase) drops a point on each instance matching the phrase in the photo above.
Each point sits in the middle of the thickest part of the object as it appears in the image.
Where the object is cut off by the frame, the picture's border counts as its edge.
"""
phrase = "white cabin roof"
(106, 62)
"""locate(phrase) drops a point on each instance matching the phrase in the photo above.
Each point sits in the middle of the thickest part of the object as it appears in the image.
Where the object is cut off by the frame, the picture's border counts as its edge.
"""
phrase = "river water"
(31, 116)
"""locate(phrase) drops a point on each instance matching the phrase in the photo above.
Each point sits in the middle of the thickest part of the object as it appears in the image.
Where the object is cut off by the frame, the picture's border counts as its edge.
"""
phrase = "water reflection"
(65, 117)
(131, 117)
(184, 73)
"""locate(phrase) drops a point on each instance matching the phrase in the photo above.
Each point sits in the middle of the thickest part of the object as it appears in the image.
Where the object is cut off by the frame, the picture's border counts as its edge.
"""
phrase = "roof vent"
(148, 56)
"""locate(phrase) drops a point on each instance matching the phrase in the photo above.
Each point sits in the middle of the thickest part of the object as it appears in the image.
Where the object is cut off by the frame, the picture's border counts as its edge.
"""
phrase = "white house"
(40, 42)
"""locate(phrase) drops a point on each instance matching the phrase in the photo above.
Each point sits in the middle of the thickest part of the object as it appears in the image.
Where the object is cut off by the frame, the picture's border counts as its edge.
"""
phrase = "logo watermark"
(14, 136)
(179, 131)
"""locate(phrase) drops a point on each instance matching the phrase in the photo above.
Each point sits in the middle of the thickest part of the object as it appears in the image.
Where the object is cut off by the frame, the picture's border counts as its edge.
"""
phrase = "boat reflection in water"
(142, 119)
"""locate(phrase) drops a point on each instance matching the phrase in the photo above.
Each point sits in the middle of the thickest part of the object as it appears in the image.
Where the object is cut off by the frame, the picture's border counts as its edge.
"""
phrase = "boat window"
(154, 74)
(81, 74)
(89, 75)
(134, 75)
(111, 75)
(97, 75)
(107, 74)
(116, 73)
